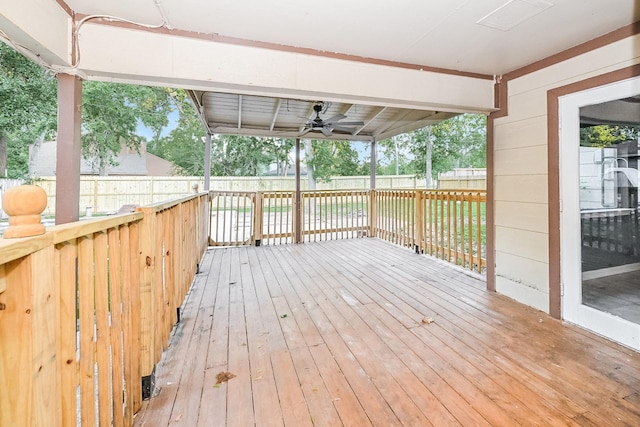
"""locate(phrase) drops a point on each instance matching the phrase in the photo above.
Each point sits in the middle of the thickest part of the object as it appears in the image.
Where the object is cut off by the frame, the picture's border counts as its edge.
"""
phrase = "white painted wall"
(133, 56)
(521, 172)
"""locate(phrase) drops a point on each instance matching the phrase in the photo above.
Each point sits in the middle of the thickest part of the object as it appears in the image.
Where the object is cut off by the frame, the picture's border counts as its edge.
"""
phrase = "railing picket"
(479, 235)
(86, 298)
(67, 343)
(115, 275)
(103, 332)
(462, 230)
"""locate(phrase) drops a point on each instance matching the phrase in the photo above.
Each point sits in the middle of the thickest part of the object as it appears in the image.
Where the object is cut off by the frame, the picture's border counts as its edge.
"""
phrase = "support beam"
(372, 179)
(69, 148)
(207, 162)
(373, 212)
(297, 236)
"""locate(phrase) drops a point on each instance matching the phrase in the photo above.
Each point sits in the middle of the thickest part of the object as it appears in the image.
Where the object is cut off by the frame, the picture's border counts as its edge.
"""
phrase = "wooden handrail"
(97, 295)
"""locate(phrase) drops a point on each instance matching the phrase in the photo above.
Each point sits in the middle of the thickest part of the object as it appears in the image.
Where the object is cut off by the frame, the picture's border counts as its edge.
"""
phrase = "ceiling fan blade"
(335, 118)
(350, 123)
(326, 131)
(344, 128)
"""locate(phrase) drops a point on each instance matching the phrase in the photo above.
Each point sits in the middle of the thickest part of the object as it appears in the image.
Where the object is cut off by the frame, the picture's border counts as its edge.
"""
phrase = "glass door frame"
(610, 326)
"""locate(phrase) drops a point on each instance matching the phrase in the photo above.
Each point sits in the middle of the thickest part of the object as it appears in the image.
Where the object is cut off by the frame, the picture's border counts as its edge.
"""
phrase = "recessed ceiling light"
(512, 13)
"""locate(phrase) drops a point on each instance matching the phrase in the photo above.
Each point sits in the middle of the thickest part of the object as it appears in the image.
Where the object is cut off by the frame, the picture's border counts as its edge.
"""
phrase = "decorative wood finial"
(24, 205)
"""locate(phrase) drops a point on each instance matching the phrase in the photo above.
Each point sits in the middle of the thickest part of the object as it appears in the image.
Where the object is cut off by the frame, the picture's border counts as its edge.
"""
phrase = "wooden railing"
(87, 309)
(446, 224)
(232, 218)
(278, 220)
(329, 215)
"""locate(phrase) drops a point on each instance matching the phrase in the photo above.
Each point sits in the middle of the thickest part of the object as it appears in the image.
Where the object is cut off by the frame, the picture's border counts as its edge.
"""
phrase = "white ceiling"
(481, 37)
(435, 33)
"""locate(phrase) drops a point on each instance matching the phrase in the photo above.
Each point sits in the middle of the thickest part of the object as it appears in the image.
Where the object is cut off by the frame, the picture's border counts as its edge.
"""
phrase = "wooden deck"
(362, 332)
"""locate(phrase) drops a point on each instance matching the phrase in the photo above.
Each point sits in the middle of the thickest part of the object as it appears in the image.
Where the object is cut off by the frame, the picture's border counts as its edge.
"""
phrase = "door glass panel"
(610, 224)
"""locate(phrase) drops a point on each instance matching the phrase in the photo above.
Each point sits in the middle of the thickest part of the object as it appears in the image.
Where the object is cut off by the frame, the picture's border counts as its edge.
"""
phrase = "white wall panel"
(523, 216)
(521, 188)
(521, 161)
(523, 243)
(195, 63)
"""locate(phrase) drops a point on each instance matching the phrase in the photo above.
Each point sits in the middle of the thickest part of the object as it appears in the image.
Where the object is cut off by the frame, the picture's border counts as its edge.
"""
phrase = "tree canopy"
(29, 109)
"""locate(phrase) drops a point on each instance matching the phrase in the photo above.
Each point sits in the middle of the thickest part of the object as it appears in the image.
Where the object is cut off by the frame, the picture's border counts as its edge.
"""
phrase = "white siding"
(521, 171)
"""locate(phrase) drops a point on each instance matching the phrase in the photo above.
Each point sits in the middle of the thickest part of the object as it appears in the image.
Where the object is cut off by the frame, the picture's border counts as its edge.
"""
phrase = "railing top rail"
(235, 192)
(435, 190)
(341, 191)
(12, 249)
(162, 206)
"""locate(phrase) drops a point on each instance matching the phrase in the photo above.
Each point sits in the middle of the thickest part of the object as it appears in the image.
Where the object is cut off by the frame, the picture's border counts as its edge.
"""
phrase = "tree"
(333, 158)
(281, 150)
(184, 145)
(456, 142)
(29, 109)
(605, 135)
(394, 159)
(111, 114)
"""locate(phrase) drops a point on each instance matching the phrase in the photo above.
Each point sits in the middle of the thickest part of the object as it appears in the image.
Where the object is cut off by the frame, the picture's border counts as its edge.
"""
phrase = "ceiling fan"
(329, 125)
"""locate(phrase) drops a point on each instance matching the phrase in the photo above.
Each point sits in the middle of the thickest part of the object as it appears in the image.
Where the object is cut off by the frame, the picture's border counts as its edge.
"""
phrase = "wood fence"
(446, 224)
(104, 194)
(86, 311)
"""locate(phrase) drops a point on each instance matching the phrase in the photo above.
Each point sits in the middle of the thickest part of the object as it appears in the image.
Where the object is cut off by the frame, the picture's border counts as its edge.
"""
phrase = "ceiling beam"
(239, 111)
(196, 98)
(413, 125)
(401, 115)
(371, 118)
(275, 114)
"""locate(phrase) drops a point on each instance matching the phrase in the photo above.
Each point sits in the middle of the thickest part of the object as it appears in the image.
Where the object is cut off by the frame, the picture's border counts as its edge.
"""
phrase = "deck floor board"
(362, 332)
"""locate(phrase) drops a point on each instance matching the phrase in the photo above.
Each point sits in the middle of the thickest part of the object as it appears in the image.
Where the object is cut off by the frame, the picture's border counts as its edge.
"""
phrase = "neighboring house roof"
(42, 162)
(157, 166)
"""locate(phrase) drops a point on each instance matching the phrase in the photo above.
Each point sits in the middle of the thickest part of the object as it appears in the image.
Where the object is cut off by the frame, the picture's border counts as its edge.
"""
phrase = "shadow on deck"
(362, 332)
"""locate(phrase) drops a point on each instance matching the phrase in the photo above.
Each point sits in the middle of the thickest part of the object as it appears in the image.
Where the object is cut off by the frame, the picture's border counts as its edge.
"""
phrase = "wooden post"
(419, 221)
(372, 212)
(207, 162)
(258, 216)
(297, 231)
(372, 166)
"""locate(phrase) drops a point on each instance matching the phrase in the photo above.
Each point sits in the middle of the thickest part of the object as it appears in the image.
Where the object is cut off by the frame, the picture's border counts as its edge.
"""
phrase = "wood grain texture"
(336, 331)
